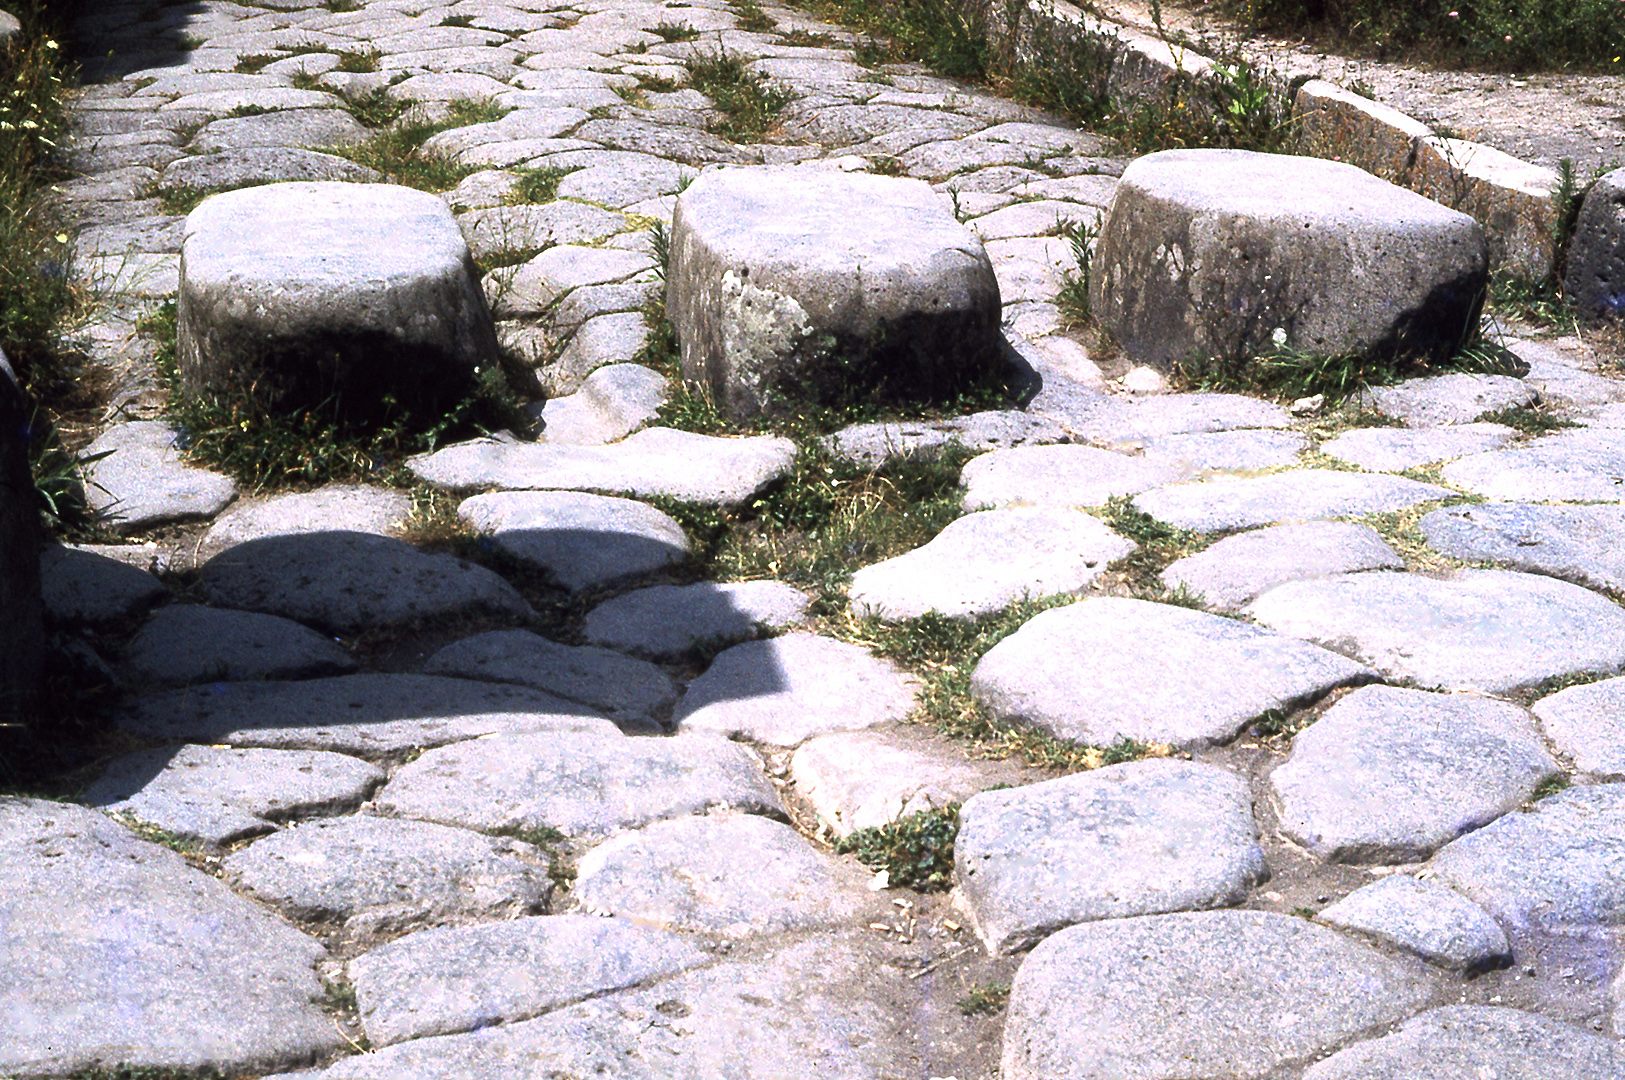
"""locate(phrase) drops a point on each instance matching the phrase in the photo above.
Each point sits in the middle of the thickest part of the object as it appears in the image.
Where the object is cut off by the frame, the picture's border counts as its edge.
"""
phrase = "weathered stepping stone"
(580, 540)
(613, 401)
(1480, 1041)
(1239, 450)
(1587, 725)
(350, 582)
(335, 508)
(667, 622)
(1578, 543)
(654, 462)
(1586, 465)
(736, 875)
(368, 714)
(251, 166)
(1058, 476)
(1111, 668)
(1456, 398)
(452, 979)
(622, 688)
(1298, 495)
(1210, 995)
(1134, 839)
(1389, 775)
(143, 481)
(1238, 568)
(215, 795)
(1425, 918)
(873, 444)
(1398, 449)
(81, 586)
(988, 560)
(189, 643)
(112, 971)
(287, 127)
(785, 690)
(1489, 630)
(1117, 421)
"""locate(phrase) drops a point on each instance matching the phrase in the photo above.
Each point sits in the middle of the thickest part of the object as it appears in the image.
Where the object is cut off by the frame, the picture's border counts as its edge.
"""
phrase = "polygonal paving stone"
(1133, 839)
(1388, 775)
(665, 622)
(1240, 450)
(872, 444)
(254, 165)
(288, 127)
(602, 340)
(1456, 398)
(1424, 918)
(189, 643)
(1044, 217)
(564, 267)
(1058, 476)
(1110, 668)
(1490, 630)
(143, 480)
(612, 402)
(1587, 724)
(1238, 568)
(1398, 449)
(1115, 421)
(502, 229)
(580, 540)
(80, 585)
(1578, 543)
(1587, 465)
(334, 508)
(1299, 495)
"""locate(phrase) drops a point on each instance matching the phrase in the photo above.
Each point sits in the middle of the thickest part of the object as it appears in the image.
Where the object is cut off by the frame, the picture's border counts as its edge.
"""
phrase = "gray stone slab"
(601, 340)
(262, 165)
(1577, 543)
(1398, 449)
(1298, 495)
(1488, 630)
(685, 144)
(158, 234)
(1587, 725)
(335, 508)
(290, 127)
(1238, 568)
(501, 229)
(215, 795)
(136, 275)
(611, 403)
(1058, 476)
(873, 444)
(82, 586)
(1140, 838)
(1240, 450)
(617, 178)
(580, 540)
(666, 622)
(1425, 918)
(1208, 995)
(189, 643)
(1115, 421)
(1587, 465)
(1483, 1041)
(1389, 775)
(1041, 218)
(1110, 668)
(1456, 398)
(145, 482)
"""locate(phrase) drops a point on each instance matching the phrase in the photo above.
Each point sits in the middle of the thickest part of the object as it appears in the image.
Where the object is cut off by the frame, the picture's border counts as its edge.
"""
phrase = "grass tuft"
(985, 999)
(916, 852)
(536, 184)
(748, 102)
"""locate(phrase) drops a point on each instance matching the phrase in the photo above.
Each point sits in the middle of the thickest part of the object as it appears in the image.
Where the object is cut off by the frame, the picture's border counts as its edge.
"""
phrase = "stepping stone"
(1591, 272)
(1577, 543)
(1134, 839)
(787, 284)
(215, 795)
(1239, 568)
(734, 875)
(1110, 668)
(502, 229)
(288, 127)
(612, 402)
(452, 979)
(253, 166)
(351, 582)
(655, 462)
(1226, 451)
(114, 971)
(1200, 994)
(988, 560)
(1342, 261)
(1456, 398)
(82, 586)
(335, 508)
(585, 785)
(1041, 218)
(1058, 476)
(377, 876)
(871, 445)
(1389, 775)
(785, 690)
(1587, 725)
(1299, 495)
(188, 643)
(1480, 1041)
(579, 540)
(1587, 465)
(1486, 630)
(1398, 449)
(367, 714)
(669, 622)
(144, 481)
(295, 293)
(1439, 925)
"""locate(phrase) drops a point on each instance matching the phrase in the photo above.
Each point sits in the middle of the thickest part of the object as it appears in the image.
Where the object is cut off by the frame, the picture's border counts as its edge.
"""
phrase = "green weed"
(1073, 299)
(536, 184)
(917, 852)
(752, 17)
(985, 999)
(561, 867)
(670, 32)
(748, 102)
(937, 32)
(339, 7)
(397, 150)
(358, 61)
(1529, 419)
(1548, 787)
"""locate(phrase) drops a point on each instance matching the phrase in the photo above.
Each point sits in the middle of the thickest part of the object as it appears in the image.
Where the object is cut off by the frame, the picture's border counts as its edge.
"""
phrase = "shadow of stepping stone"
(1238, 568)
(1476, 1040)
(1299, 495)
(189, 643)
(1577, 543)
(668, 622)
(81, 586)
(1587, 724)
(1424, 918)
(580, 540)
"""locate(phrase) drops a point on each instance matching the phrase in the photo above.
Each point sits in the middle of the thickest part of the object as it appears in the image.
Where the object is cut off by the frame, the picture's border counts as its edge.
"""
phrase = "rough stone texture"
(1210, 995)
(872, 444)
(785, 690)
(1058, 476)
(1482, 1041)
(665, 622)
(1489, 630)
(216, 795)
(114, 971)
(189, 643)
(1587, 725)
(1238, 568)
(1424, 918)
(985, 561)
(1389, 775)
(1342, 261)
(1123, 421)
(82, 586)
(335, 508)
(289, 127)
(624, 689)
(1578, 543)
(1595, 275)
(612, 402)
(1456, 398)
(788, 283)
(144, 482)
(1194, 453)
(580, 540)
(1134, 839)
(1398, 449)
(1110, 668)
(251, 167)
(1299, 495)
(22, 611)
(1571, 466)
(599, 342)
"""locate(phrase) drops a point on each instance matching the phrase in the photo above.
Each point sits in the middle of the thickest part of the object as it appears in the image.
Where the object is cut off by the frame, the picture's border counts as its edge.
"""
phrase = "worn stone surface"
(80, 585)
(1587, 725)
(1577, 543)
(580, 540)
(287, 127)
(872, 444)
(143, 480)
(1424, 918)
(1115, 421)
(190, 643)
(1299, 495)
(248, 168)
(1240, 450)
(334, 508)
(1456, 398)
(1058, 476)
(664, 622)
(1238, 568)
(611, 403)
(1594, 275)
(1398, 449)
(625, 689)
(1572, 466)
(1476, 1040)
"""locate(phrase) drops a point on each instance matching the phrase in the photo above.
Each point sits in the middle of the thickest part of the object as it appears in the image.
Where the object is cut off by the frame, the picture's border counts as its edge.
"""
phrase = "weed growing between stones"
(752, 17)
(536, 184)
(941, 33)
(397, 150)
(984, 999)
(670, 32)
(1073, 299)
(1160, 545)
(125, 1071)
(749, 102)
(1529, 419)
(561, 869)
(1546, 788)
(916, 852)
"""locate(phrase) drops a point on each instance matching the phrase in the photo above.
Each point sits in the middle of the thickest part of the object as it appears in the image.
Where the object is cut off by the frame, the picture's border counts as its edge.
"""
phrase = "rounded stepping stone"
(335, 508)
(1198, 994)
(1389, 775)
(668, 622)
(1398, 449)
(580, 540)
(1060, 476)
(1299, 495)
(80, 585)
(785, 690)
(1587, 724)
(1587, 465)
(1116, 421)
(349, 582)
(1134, 839)
(1111, 668)
(1225, 451)
(216, 795)
(1489, 630)
(189, 643)
(1421, 917)
(564, 267)
(985, 561)
(143, 480)
(1577, 543)
(873, 444)
(114, 932)
(1480, 1041)
(1238, 568)
(1456, 398)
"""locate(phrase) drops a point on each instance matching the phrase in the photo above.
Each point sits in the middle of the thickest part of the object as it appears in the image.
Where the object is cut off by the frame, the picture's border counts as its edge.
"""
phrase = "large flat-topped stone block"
(300, 292)
(792, 284)
(1206, 253)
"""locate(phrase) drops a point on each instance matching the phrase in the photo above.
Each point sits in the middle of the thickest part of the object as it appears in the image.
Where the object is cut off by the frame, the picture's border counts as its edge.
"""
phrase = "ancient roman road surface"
(491, 855)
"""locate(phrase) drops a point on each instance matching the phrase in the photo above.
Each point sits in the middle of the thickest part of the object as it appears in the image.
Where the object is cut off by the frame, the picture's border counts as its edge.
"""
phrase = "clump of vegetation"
(1529, 419)
(1073, 299)
(752, 17)
(670, 32)
(749, 103)
(916, 852)
(985, 999)
(397, 149)
(536, 184)
(936, 32)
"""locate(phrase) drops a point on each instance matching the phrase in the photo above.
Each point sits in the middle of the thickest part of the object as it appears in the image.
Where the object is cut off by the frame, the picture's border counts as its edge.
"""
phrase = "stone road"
(489, 854)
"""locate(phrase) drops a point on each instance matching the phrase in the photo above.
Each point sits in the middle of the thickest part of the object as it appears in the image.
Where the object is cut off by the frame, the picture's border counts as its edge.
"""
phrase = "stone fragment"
(1485, 1041)
(1455, 398)
(667, 622)
(1594, 276)
(1421, 917)
(1296, 495)
(1241, 450)
(143, 480)
(254, 166)
(189, 643)
(612, 402)
(873, 444)
(1057, 476)
(334, 508)
(287, 127)
(1398, 449)
(1587, 725)
(1587, 465)
(580, 540)
(1238, 568)
(82, 586)
(1577, 543)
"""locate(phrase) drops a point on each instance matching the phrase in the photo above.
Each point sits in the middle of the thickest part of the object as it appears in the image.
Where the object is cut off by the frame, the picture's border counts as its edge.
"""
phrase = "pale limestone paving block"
(665, 622)
(481, 191)
(611, 403)
(156, 234)
(1425, 918)
(1398, 449)
(1030, 268)
(617, 178)
(873, 444)
(622, 688)
(140, 275)
(1111, 668)
(784, 690)
(1237, 569)
(189, 643)
(1456, 398)
(438, 86)
(1485, 630)
(580, 540)
(684, 144)
(510, 153)
(847, 125)
(1297, 495)
(1239, 450)
(1214, 994)
(1587, 465)
(1485, 1041)
(1608, 416)
(1565, 376)
(217, 795)
(144, 481)
(1117, 420)
(1389, 775)
(985, 561)
(1587, 725)
(80, 585)
(1058, 476)
(334, 508)
(559, 97)
(1583, 544)
(221, 102)
(1140, 838)
(503, 229)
